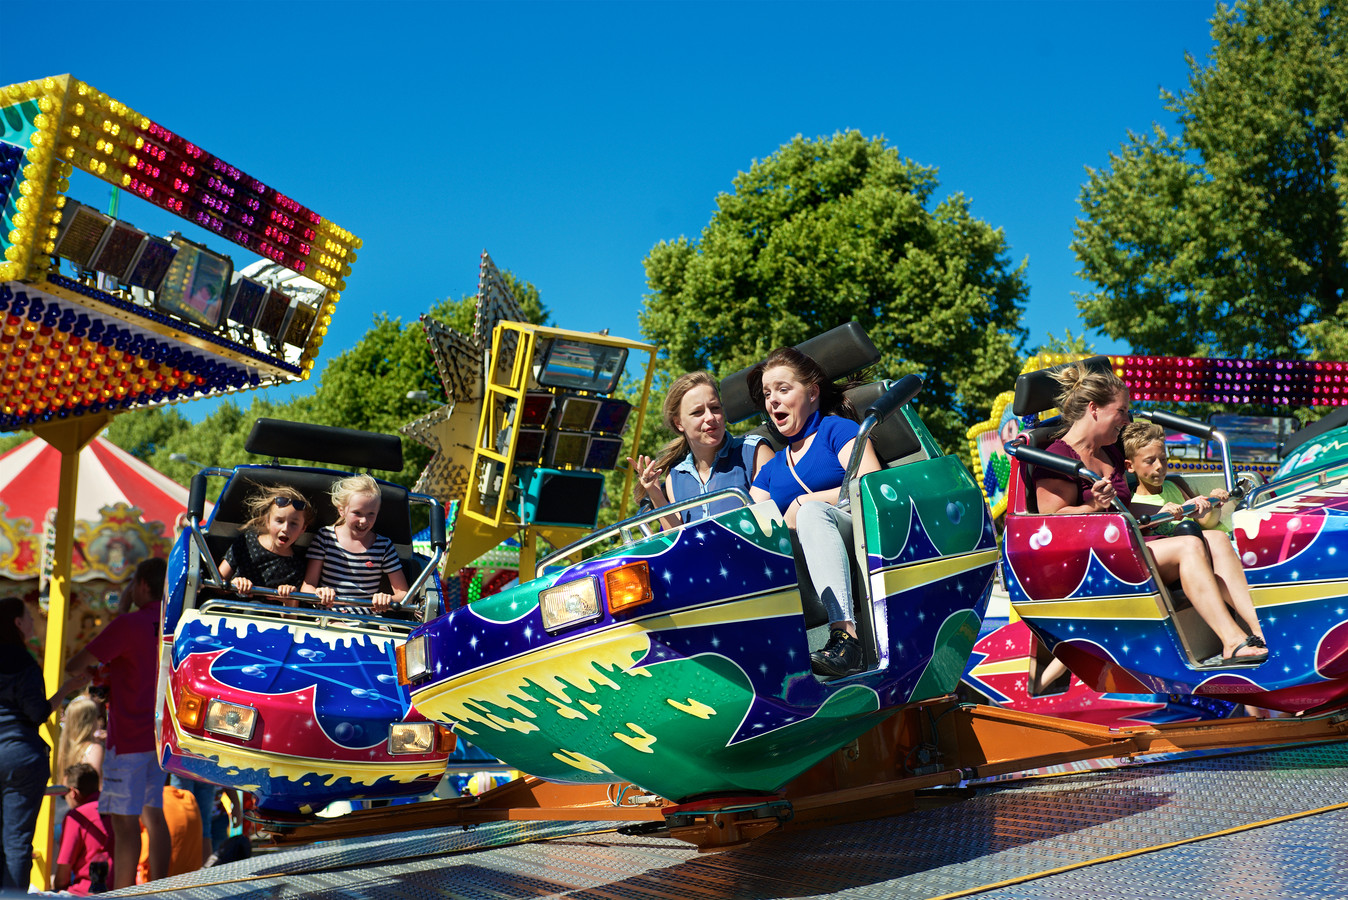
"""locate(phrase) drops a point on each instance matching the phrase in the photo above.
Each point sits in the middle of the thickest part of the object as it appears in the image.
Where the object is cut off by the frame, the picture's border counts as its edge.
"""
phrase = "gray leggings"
(823, 549)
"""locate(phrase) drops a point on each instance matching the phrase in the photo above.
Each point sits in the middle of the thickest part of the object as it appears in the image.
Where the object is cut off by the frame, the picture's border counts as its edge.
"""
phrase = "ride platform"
(1261, 823)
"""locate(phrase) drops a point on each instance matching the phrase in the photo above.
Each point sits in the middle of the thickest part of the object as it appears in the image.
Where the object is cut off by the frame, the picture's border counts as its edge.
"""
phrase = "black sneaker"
(839, 657)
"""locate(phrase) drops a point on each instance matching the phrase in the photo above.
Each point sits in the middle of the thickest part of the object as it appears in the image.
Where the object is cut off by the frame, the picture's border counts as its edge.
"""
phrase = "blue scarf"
(811, 426)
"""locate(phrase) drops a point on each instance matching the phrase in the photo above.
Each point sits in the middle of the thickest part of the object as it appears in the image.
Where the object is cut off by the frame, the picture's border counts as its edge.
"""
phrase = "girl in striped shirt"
(347, 557)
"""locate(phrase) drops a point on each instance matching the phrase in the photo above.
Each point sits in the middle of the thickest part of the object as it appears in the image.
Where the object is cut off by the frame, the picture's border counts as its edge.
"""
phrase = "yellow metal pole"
(68, 436)
(528, 554)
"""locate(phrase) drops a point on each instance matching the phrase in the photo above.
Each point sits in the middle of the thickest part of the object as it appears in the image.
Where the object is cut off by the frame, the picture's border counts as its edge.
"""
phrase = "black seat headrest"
(346, 447)
(1037, 391)
(840, 352)
(893, 438)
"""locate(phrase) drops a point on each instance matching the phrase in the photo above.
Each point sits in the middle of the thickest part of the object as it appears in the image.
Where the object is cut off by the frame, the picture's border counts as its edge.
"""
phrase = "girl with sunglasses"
(264, 553)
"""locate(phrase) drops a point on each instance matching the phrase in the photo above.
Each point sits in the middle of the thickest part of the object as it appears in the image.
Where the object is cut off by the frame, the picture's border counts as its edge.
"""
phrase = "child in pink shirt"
(86, 837)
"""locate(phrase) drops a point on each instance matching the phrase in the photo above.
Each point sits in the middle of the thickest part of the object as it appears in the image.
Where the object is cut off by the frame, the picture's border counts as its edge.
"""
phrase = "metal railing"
(627, 528)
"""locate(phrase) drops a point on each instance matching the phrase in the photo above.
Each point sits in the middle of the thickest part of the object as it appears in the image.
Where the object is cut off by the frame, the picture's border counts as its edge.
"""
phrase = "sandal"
(1218, 661)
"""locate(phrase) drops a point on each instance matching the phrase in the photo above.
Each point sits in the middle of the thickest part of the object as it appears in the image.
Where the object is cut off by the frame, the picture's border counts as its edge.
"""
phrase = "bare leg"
(1051, 672)
(126, 850)
(1231, 578)
(161, 844)
(1185, 556)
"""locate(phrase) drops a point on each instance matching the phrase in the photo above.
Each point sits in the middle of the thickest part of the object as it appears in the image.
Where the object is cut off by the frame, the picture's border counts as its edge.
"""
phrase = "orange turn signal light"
(445, 739)
(191, 707)
(628, 586)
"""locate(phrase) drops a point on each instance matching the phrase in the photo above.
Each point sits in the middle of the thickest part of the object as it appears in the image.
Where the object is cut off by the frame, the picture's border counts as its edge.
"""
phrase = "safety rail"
(627, 527)
(322, 617)
(1316, 477)
(1195, 428)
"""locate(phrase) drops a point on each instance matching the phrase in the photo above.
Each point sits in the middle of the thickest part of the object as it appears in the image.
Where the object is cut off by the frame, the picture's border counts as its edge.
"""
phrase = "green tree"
(835, 229)
(1229, 237)
(1068, 343)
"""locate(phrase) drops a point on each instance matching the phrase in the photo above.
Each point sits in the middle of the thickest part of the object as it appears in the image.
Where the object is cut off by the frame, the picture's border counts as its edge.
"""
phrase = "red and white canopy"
(30, 477)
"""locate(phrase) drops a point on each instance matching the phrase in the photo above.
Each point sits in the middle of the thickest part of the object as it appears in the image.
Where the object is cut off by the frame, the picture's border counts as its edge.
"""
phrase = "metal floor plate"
(1001, 842)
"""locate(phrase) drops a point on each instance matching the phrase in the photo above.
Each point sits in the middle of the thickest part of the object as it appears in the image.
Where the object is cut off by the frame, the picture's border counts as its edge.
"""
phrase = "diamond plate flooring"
(1106, 831)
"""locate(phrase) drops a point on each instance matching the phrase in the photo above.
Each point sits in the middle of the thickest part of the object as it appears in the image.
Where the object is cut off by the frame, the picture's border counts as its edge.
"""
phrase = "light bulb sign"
(145, 319)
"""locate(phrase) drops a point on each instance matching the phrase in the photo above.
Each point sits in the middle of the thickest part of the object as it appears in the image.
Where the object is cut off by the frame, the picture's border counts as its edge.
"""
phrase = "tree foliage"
(1230, 237)
(830, 230)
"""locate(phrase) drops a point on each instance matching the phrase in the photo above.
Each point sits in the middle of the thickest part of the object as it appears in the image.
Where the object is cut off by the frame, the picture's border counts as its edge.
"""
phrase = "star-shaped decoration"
(451, 430)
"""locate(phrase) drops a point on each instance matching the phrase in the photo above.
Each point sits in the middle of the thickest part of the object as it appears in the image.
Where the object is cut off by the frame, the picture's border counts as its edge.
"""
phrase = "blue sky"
(568, 138)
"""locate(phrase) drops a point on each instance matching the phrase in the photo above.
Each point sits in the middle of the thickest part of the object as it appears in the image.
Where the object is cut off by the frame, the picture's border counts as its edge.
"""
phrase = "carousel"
(124, 513)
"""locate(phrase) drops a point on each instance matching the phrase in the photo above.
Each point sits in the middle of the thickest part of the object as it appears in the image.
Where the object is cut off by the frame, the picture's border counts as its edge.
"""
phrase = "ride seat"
(230, 513)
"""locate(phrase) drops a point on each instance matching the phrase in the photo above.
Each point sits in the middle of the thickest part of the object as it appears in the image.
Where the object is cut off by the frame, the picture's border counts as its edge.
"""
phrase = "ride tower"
(98, 317)
(533, 420)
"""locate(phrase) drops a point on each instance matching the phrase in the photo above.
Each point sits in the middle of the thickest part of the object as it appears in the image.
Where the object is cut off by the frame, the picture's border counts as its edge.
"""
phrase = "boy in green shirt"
(1144, 456)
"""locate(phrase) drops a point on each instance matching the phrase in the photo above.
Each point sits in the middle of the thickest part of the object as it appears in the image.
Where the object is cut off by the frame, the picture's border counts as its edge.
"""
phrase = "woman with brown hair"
(703, 458)
(1095, 407)
(805, 480)
(24, 765)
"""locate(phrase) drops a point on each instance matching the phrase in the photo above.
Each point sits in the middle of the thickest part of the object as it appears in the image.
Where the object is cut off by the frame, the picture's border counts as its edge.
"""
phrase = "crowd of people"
(117, 823)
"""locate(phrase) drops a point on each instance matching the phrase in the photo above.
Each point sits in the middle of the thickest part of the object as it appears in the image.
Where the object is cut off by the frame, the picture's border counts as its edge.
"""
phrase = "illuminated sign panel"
(246, 298)
(302, 317)
(119, 250)
(577, 413)
(150, 267)
(196, 284)
(272, 319)
(582, 366)
(611, 417)
(82, 234)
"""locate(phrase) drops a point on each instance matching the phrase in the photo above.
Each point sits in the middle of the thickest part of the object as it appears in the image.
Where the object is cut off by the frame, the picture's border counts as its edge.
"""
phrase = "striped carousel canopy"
(30, 475)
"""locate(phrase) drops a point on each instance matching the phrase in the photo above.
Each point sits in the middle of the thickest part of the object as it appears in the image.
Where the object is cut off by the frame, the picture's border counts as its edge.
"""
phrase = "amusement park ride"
(657, 678)
(660, 678)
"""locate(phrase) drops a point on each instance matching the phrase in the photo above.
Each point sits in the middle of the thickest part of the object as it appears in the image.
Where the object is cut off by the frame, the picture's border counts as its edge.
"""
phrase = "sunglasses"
(283, 502)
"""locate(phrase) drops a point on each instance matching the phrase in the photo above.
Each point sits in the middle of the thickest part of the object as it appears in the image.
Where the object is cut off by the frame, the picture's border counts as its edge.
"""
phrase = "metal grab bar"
(1319, 476)
(903, 390)
(322, 617)
(1187, 508)
(1195, 428)
(632, 524)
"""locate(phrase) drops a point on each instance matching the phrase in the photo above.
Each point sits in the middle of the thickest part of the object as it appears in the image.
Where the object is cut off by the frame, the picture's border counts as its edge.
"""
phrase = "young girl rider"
(348, 557)
(264, 553)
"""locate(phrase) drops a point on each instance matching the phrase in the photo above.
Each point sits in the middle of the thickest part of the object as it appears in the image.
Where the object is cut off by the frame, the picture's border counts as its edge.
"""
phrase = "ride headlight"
(567, 604)
(231, 719)
(413, 660)
(411, 737)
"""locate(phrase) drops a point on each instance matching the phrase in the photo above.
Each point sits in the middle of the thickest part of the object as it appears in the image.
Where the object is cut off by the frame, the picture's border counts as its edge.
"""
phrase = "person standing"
(132, 780)
(24, 756)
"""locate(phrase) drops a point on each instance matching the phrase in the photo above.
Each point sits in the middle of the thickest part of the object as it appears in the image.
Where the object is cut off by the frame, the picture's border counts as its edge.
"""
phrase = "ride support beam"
(69, 437)
(523, 799)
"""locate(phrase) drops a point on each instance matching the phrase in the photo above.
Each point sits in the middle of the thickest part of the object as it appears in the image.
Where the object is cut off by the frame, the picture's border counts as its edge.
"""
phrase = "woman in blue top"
(703, 459)
(805, 481)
